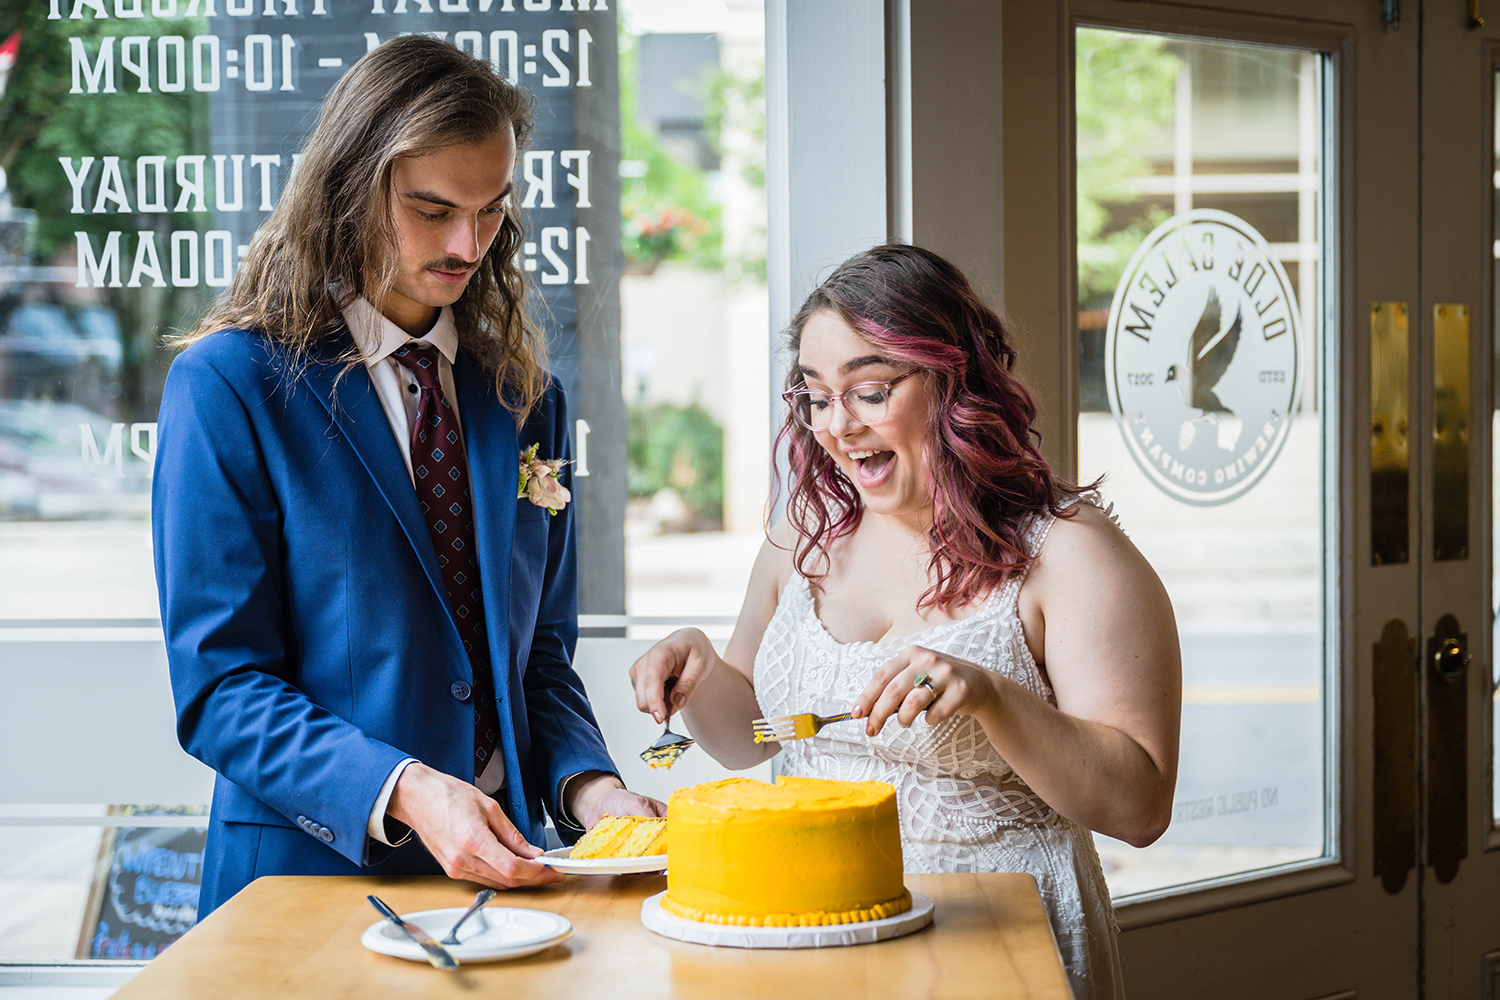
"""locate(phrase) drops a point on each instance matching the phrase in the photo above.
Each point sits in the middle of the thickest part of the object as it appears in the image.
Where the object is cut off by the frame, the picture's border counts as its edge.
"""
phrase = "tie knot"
(422, 362)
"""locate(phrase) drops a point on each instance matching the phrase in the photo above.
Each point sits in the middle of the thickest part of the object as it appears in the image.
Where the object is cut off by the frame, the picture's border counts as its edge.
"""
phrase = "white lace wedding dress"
(962, 808)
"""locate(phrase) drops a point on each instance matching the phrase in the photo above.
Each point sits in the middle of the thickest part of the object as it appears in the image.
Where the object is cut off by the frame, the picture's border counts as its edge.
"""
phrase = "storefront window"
(694, 352)
(141, 144)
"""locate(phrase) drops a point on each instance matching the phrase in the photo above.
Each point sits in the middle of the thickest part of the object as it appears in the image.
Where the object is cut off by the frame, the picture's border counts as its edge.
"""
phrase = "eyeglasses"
(867, 402)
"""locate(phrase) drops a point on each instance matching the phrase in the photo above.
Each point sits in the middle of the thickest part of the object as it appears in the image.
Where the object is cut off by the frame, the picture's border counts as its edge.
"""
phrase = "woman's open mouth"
(871, 468)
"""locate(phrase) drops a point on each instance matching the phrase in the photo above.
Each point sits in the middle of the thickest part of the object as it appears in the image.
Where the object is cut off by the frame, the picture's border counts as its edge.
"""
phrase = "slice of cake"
(801, 852)
(623, 837)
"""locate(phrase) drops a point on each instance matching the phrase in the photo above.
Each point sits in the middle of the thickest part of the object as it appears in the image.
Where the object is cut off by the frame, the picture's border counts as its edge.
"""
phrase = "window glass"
(1211, 444)
(694, 314)
(142, 144)
(102, 246)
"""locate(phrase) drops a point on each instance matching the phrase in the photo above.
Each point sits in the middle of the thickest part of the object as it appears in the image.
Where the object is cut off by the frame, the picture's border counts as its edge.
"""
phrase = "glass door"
(1201, 213)
(1272, 272)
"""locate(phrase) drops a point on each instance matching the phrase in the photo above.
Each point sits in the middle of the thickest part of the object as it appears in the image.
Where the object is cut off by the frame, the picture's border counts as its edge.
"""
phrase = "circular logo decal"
(1201, 357)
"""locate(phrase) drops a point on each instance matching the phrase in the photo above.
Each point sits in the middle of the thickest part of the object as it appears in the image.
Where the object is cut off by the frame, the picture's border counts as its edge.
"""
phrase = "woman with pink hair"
(1010, 660)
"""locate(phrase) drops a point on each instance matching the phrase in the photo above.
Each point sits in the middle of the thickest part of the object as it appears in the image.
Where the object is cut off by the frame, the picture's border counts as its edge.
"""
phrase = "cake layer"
(623, 837)
(804, 851)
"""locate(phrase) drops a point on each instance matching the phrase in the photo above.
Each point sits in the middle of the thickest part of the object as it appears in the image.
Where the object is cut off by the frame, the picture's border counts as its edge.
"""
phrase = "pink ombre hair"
(988, 478)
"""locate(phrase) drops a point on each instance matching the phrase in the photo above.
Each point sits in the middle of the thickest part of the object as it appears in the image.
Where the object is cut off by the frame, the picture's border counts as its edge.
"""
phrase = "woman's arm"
(1099, 622)
(717, 694)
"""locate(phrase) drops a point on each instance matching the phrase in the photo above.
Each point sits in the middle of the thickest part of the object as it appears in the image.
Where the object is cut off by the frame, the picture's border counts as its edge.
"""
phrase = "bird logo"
(1201, 357)
(1210, 349)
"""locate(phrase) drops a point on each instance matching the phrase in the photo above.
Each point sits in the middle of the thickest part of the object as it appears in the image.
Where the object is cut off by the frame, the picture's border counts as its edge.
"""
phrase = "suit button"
(325, 835)
(461, 691)
(302, 822)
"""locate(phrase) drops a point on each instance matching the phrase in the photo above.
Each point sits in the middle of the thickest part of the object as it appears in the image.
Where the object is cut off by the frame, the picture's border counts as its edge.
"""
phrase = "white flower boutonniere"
(539, 482)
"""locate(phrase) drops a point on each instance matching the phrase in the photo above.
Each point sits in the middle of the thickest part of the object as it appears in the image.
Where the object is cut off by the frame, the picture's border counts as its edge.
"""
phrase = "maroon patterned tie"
(442, 481)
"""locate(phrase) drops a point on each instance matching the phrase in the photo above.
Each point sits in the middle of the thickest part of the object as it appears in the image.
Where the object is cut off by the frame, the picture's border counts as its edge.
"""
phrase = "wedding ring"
(923, 681)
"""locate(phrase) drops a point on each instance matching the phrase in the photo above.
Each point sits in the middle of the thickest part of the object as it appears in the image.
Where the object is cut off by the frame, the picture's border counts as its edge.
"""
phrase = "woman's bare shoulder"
(1087, 557)
(768, 577)
(1084, 525)
(782, 534)
(773, 564)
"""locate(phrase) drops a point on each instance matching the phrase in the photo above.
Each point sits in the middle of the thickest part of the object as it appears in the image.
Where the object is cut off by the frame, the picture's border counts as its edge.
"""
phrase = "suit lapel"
(490, 444)
(356, 411)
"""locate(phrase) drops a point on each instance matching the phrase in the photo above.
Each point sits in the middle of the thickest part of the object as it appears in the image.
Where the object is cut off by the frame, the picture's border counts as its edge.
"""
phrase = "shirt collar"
(378, 338)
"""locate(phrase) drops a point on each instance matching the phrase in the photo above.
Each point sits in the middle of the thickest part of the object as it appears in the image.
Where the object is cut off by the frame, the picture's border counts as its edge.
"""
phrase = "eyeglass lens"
(866, 403)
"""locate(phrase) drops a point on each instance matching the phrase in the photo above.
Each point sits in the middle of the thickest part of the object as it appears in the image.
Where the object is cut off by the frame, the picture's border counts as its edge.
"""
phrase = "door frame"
(1043, 295)
(1220, 937)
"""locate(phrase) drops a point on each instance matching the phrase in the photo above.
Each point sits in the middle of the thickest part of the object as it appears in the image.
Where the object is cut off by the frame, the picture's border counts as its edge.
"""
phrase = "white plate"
(828, 936)
(493, 933)
(561, 860)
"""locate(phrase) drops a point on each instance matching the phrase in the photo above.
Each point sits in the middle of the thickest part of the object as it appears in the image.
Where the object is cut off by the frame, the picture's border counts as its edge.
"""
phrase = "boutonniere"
(539, 482)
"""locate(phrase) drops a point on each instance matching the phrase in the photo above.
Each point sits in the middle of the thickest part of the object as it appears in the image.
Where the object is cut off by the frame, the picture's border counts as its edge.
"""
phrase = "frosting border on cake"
(880, 911)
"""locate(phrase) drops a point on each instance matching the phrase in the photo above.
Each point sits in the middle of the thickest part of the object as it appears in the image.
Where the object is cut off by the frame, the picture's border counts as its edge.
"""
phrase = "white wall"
(87, 718)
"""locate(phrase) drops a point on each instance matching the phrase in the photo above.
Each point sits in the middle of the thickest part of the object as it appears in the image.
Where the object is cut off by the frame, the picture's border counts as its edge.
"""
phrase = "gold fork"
(793, 727)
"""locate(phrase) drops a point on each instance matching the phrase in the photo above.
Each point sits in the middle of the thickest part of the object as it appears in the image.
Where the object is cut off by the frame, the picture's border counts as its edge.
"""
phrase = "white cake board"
(827, 936)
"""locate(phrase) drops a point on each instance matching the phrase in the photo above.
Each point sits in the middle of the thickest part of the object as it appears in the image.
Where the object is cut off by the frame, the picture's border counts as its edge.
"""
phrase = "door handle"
(1450, 659)
(1445, 680)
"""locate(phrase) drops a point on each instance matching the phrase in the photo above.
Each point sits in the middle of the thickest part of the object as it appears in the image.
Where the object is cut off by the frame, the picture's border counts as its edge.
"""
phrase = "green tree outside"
(680, 448)
(669, 212)
(41, 122)
(1125, 95)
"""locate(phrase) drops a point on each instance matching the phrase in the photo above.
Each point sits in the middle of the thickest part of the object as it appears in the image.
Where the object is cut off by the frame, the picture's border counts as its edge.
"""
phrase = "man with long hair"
(370, 628)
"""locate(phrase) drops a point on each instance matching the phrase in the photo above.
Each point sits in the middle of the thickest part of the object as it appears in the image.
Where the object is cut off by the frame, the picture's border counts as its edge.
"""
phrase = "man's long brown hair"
(332, 236)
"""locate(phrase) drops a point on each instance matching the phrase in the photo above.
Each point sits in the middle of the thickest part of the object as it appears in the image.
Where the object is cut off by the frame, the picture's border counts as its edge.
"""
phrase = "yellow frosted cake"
(801, 852)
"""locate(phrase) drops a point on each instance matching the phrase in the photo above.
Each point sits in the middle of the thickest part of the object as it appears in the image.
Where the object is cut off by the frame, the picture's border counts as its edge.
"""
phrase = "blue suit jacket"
(308, 631)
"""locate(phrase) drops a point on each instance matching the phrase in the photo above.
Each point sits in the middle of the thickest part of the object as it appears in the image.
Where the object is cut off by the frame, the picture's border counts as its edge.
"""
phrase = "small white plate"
(561, 860)
(492, 934)
(827, 936)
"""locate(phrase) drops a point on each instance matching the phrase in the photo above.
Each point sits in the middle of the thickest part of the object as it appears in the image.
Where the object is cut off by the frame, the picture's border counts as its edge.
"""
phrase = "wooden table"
(298, 937)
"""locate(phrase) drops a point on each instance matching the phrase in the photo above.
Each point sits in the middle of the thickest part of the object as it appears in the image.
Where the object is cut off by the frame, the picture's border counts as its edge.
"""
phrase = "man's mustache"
(451, 264)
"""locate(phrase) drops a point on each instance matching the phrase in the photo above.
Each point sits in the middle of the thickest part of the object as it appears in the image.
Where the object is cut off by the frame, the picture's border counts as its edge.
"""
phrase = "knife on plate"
(436, 953)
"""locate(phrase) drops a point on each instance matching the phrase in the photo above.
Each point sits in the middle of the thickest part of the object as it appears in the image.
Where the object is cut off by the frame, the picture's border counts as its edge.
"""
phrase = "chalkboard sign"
(145, 890)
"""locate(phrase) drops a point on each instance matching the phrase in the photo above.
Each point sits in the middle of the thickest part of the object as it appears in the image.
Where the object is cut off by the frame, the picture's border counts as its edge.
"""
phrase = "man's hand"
(466, 830)
(595, 794)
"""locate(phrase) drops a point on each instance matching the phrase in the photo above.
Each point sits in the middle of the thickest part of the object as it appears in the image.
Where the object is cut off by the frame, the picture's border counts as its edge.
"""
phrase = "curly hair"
(329, 239)
(988, 477)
